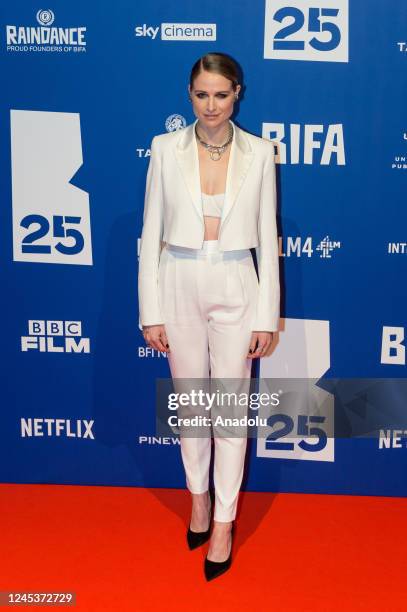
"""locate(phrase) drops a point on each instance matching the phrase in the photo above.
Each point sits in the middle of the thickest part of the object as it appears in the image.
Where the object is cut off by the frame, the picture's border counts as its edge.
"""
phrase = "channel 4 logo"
(55, 337)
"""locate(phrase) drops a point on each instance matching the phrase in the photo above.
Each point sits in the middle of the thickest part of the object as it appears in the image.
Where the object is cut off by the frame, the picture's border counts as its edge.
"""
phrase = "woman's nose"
(211, 104)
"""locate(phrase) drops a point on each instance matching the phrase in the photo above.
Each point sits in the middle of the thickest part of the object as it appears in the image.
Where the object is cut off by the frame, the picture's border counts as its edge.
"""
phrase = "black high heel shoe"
(197, 538)
(213, 569)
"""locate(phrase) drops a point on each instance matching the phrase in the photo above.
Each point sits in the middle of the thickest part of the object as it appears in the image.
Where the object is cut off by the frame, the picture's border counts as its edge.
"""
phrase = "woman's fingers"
(269, 349)
(260, 345)
(165, 341)
(252, 347)
(156, 338)
(158, 344)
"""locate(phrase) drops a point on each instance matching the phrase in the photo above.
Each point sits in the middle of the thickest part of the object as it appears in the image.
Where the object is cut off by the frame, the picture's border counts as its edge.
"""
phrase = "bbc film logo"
(55, 337)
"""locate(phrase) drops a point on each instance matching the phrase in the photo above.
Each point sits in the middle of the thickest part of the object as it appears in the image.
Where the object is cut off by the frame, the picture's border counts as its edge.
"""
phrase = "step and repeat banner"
(86, 86)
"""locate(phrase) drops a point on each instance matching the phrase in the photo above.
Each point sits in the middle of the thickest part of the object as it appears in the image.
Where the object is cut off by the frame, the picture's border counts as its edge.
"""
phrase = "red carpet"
(124, 549)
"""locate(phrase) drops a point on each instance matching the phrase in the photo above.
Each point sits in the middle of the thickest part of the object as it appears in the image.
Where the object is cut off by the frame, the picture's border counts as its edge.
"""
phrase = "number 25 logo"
(306, 30)
(51, 216)
(59, 231)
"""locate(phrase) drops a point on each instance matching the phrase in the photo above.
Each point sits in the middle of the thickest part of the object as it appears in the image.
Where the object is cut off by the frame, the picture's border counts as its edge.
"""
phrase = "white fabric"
(173, 214)
(212, 204)
(208, 301)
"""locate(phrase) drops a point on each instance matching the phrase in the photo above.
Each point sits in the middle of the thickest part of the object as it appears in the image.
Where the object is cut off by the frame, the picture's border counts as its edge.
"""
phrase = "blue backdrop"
(85, 88)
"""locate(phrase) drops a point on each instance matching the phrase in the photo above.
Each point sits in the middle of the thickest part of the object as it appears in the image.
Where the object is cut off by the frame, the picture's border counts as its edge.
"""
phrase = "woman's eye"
(202, 95)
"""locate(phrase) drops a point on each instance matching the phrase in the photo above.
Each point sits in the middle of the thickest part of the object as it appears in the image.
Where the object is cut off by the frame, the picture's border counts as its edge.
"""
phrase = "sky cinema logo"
(55, 337)
(178, 31)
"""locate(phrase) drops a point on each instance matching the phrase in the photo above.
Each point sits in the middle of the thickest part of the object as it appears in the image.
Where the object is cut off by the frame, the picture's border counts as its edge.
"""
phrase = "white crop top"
(212, 204)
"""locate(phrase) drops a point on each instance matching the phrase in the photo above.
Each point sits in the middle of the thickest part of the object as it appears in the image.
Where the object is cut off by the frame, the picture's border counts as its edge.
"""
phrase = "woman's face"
(212, 98)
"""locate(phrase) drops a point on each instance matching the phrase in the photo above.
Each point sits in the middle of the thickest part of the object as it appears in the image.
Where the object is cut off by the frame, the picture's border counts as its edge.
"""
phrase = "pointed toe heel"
(213, 569)
(197, 538)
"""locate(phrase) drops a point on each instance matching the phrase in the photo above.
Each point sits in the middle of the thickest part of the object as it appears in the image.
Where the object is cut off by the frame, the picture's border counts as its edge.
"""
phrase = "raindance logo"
(46, 17)
(44, 38)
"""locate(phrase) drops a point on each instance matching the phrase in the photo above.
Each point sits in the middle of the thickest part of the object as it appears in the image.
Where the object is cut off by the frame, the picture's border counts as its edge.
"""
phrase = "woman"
(210, 198)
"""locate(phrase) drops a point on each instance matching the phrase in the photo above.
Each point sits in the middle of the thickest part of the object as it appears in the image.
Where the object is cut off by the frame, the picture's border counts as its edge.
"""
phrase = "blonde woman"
(210, 198)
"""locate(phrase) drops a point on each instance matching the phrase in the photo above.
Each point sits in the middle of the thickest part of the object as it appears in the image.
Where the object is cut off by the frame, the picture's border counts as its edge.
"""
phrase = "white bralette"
(212, 204)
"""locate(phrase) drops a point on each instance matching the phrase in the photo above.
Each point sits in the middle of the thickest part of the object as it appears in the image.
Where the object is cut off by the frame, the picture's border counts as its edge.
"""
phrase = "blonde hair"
(219, 63)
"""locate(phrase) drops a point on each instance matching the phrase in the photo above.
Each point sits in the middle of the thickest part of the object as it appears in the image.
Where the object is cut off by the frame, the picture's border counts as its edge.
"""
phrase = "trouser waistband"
(208, 247)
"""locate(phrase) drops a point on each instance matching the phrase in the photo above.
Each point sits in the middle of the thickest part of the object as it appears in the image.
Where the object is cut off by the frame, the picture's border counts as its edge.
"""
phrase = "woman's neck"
(216, 136)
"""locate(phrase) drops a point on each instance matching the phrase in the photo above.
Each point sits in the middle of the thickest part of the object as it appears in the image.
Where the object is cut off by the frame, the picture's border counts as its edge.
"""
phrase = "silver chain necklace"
(216, 151)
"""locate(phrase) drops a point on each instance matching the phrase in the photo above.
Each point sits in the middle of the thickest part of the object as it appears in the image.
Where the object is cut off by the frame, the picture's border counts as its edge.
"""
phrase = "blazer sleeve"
(150, 243)
(268, 304)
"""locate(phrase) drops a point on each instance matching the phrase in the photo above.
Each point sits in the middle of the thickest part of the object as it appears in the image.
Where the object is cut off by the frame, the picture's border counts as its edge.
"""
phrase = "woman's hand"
(263, 340)
(155, 336)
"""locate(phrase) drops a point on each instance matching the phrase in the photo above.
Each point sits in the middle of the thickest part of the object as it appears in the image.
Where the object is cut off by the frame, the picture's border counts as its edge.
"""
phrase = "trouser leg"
(229, 337)
(188, 358)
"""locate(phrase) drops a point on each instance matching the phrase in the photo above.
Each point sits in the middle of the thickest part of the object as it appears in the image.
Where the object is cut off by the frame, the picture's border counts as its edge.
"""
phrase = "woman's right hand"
(155, 336)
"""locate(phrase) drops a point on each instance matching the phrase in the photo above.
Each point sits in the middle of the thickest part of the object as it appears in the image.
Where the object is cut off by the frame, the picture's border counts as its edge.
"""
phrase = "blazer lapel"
(240, 157)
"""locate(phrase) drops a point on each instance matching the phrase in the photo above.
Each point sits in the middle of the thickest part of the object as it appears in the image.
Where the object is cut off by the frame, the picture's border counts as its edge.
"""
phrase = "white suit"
(206, 292)
(173, 214)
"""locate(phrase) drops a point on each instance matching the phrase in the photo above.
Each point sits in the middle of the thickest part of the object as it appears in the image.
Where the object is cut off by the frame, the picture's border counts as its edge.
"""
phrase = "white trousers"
(208, 301)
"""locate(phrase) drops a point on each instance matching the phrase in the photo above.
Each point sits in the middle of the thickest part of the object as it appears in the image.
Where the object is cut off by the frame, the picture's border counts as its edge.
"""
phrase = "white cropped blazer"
(173, 214)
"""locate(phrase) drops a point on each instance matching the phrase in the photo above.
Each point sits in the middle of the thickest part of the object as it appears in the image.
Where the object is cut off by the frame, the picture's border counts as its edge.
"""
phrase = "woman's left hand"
(260, 344)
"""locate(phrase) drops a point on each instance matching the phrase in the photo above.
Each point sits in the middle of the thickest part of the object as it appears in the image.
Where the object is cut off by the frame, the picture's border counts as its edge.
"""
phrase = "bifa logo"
(44, 38)
(392, 438)
(308, 30)
(178, 31)
(55, 337)
(297, 144)
(56, 428)
(393, 349)
(51, 217)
